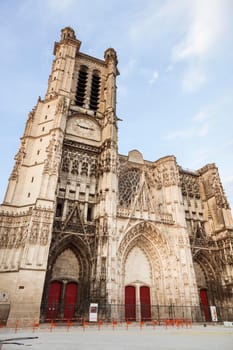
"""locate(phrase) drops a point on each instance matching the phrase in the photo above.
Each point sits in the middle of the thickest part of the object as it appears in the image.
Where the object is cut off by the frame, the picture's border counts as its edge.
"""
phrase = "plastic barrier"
(100, 323)
(179, 323)
(16, 326)
(68, 325)
(127, 324)
(188, 323)
(85, 324)
(114, 323)
(52, 325)
(35, 326)
(141, 324)
(169, 323)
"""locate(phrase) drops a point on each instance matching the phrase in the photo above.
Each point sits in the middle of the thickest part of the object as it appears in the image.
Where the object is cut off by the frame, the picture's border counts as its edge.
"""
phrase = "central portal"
(145, 303)
(137, 286)
(137, 303)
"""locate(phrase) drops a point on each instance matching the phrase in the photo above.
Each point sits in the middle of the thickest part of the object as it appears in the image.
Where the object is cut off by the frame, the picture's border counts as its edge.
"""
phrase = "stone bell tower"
(60, 200)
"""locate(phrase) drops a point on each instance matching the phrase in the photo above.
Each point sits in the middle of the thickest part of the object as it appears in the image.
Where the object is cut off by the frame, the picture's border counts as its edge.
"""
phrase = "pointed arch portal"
(142, 252)
(70, 299)
(61, 293)
(130, 303)
(205, 272)
(66, 289)
(54, 299)
(205, 303)
(143, 304)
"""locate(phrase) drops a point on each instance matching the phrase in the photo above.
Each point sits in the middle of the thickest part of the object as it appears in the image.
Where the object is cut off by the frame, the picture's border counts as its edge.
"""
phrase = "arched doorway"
(137, 297)
(62, 300)
(70, 299)
(137, 281)
(143, 255)
(205, 303)
(54, 298)
(130, 303)
(204, 272)
(63, 294)
(145, 303)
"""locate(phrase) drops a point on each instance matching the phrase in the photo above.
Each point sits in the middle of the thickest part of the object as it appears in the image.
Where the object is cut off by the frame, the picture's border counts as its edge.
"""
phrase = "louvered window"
(95, 91)
(81, 87)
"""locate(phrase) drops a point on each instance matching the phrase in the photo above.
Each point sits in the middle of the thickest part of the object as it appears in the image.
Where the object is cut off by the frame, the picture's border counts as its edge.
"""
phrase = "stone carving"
(13, 231)
(18, 161)
(34, 234)
(62, 106)
(167, 175)
(93, 167)
(108, 159)
(53, 151)
(110, 118)
(66, 162)
(79, 162)
(163, 175)
(75, 166)
(128, 186)
(20, 234)
(190, 185)
(148, 231)
(221, 200)
(213, 187)
(4, 238)
(29, 122)
(44, 234)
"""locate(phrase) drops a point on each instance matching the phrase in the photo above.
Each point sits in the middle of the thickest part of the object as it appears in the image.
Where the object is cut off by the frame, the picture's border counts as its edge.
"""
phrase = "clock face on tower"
(84, 127)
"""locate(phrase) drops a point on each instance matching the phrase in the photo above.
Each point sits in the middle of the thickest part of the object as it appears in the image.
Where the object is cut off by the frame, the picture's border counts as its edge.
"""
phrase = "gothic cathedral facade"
(81, 223)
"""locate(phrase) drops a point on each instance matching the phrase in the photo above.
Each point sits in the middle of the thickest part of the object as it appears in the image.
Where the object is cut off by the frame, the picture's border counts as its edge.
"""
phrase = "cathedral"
(81, 223)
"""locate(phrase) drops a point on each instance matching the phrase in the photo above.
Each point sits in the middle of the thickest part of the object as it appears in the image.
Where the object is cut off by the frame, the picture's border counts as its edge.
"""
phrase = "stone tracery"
(128, 186)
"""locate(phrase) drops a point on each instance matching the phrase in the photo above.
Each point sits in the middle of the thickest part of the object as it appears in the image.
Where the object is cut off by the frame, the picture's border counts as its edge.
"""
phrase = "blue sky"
(175, 91)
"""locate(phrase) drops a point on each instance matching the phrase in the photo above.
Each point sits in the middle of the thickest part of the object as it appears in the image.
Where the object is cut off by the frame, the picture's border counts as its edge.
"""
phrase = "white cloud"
(199, 157)
(129, 68)
(193, 131)
(154, 19)
(122, 90)
(169, 68)
(206, 27)
(229, 143)
(193, 28)
(204, 130)
(200, 116)
(193, 79)
(183, 133)
(154, 77)
(228, 179)
(60, 5)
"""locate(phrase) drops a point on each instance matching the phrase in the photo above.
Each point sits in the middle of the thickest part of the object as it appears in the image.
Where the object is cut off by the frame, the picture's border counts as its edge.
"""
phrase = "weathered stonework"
(81, 223)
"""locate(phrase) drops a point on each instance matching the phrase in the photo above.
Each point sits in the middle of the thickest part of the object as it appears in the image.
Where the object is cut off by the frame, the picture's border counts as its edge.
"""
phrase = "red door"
(205, 303)
(130, 303)
(70, 300)
(53, 300)
(145, 303)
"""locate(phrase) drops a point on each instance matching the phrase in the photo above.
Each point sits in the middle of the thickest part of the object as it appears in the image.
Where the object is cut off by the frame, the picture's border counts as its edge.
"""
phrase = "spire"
(67, 33)
(110, 55)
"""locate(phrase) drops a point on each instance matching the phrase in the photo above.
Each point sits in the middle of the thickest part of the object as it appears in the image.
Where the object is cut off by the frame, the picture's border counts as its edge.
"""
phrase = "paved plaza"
(197, 337)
